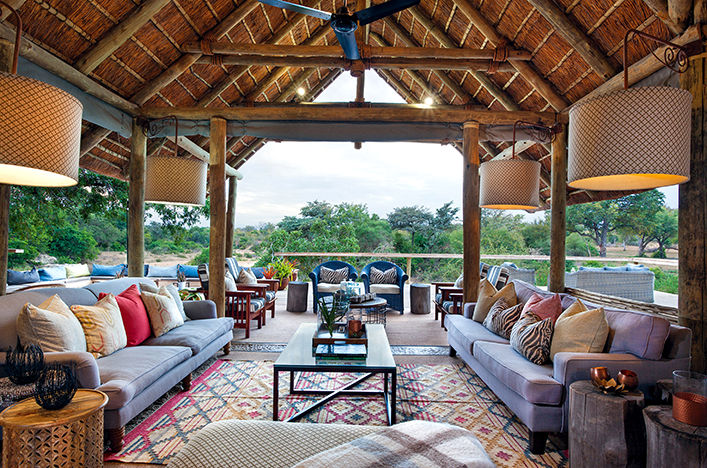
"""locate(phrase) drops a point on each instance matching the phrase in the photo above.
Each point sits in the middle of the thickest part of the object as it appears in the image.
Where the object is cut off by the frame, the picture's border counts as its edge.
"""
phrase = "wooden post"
(136, 201)
(217, 239)
(471, 212)
(692, 224)
(231, 215)
(409, 268)
(6, 50)
(558, 221)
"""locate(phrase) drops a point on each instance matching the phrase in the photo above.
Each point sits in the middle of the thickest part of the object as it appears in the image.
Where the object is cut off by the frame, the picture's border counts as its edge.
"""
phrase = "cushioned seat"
(328, 288)
(193, 334)
(532, 382)
(467, 331)
(385, 289)
(129, 371)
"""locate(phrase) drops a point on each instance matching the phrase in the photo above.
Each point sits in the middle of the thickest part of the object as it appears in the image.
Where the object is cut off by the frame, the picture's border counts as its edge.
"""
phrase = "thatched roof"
(575, 47)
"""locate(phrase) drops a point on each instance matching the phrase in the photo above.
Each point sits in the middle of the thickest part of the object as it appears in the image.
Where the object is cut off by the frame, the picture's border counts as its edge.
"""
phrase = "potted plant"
(269, 272)
(181, 280)
(284, 271)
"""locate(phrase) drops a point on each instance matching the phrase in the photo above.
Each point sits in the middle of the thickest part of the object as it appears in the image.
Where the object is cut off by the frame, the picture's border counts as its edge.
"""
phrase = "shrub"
(665, 281)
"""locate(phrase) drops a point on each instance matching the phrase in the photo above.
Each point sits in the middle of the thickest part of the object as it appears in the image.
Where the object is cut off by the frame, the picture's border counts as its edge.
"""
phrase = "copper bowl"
(599, 373)
(690, 408)
(629, 378)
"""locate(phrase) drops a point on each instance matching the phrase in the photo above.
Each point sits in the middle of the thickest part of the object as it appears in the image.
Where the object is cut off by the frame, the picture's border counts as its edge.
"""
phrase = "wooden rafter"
(660, 8)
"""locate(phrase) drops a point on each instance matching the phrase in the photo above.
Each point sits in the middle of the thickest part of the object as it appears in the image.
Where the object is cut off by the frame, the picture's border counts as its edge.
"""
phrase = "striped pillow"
(389, 276)
(531, 337)
(327, 275)
(502, 317)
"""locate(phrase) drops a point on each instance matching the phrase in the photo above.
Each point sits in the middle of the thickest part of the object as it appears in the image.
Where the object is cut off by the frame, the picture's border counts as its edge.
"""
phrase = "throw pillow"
(173, 291)
(134, 315)
(190, 271)
(22, 277)
(51, 273)
(459, 283)
(544, 307)
(389, 276)
(580, 330)
(106, 270)
(76, 271)
(246, 277)
(51, 325)
(327, 275)
(501, 318)
(162, 271)
(488, 297)
(102, 325)
(162, 310)
(531, 337)
(230, 282)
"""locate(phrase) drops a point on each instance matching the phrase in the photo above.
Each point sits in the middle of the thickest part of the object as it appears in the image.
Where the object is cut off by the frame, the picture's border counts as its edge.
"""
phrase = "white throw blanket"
(413, 444)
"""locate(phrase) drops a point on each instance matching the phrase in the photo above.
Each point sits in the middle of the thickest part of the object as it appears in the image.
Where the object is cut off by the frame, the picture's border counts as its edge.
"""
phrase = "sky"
(282, 177)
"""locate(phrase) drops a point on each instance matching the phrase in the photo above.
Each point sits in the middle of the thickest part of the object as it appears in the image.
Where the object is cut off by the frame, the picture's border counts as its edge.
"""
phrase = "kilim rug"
(243, 390)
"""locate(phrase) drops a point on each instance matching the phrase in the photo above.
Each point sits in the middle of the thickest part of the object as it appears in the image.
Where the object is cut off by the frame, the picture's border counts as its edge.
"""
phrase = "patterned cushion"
(256, 303)
(246, 277)
(51, 325)
(498, 276)
(501, 318)
(102, 325)
(172, 290)
(389, 276)
(270, 295)
(233, 267)
(531, 337)
(327, 275)
(162, 310)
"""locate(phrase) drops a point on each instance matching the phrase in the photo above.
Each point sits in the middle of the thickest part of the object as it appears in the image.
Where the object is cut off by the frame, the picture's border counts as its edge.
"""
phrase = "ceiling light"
(429, 101)
(301, 91)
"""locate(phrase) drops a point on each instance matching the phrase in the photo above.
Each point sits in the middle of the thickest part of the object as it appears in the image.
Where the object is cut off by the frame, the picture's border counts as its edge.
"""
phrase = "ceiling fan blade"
(298, 9)
(348, 43)
(382, 10)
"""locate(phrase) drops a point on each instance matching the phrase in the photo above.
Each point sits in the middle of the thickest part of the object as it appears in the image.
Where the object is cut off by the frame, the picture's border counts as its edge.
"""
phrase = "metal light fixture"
(174, 180)
(632, 139)
(40, 129)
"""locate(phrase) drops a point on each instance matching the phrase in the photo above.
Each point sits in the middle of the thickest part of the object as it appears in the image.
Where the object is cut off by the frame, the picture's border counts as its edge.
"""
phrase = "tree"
(413, 219)
(637, 215)
(426, 230)
(537, 235)
(176, 219)
(665, 230)
(594, 220)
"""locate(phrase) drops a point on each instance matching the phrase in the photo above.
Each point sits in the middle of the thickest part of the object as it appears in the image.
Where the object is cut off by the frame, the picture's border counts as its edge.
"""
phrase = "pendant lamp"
(40, 129)
(173, 180)
(632, 139)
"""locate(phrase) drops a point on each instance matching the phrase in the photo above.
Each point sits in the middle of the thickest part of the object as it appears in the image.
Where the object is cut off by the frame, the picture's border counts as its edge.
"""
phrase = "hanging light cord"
(18, 36)
(673, 55)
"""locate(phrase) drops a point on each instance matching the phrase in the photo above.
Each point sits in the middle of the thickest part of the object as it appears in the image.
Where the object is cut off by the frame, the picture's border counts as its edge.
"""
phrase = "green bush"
(665, 281)
(577, 246)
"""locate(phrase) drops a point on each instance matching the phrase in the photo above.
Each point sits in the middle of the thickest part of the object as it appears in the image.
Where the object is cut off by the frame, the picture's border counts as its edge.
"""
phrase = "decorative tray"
(321, 336)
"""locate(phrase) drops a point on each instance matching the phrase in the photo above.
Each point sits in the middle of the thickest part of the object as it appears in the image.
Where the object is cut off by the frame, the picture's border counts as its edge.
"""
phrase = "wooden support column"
(558, 221)
(136, 201)
(692, 225)
(231, 215)
(217, 239)
(6, 51)
(471, 212)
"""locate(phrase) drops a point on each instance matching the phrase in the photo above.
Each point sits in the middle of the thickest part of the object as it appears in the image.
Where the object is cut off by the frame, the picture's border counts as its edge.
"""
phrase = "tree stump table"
(420, 298)
(297, 296)
(605, 430)
(671, 442)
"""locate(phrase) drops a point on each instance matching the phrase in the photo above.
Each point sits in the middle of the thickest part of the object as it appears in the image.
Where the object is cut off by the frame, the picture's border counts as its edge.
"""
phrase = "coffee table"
(297, 357)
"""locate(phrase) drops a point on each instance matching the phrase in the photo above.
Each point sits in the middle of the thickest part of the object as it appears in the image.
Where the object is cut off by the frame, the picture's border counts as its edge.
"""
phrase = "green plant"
(283, 268)
(328, 314)
(666, 281)
(269, 272)
(181, 277)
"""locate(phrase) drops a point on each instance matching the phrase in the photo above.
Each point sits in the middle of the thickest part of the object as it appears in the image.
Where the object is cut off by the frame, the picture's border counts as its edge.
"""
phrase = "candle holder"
(56, 386)
(690, 398)
(24, 364)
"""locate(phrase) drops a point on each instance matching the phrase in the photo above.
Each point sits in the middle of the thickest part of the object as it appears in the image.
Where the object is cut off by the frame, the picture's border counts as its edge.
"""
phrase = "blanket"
(413, 444)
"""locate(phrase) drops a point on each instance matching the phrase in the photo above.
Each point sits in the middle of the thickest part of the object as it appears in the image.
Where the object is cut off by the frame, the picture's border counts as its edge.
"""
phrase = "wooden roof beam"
(200, 153)
(660, 8)
(576, 38)
(679, 11)
(118, 35)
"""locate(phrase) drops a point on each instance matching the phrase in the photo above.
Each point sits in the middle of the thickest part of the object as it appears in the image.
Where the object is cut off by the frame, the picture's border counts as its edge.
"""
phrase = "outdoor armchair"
(390, 291)
(321, 288)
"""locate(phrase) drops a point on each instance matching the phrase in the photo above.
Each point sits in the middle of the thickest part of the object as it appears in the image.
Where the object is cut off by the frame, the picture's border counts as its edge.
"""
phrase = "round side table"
(71, 436)
(671, 442)
(420, 298)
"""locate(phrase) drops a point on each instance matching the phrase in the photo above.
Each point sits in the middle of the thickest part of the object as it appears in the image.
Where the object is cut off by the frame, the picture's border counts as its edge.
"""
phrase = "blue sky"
(282, 177)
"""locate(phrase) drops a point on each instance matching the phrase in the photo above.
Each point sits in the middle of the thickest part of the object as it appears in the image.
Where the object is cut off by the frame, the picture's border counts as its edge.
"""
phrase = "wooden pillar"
(471, 212)
(558, 221)
(217, 239)
(136, 201)
(692, 230)
(231, 214)
(6, 51)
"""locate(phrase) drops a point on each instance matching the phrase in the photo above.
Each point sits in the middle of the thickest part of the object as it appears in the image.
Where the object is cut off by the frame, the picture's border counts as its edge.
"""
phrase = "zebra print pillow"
(389, 276)
(327, 275)
(531, 337)
(501, 318)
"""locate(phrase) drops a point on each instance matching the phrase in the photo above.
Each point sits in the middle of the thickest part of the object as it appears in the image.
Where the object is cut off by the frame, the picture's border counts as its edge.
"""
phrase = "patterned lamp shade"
(175, 181)
(632, 139)
(40, 128)
(510, 184)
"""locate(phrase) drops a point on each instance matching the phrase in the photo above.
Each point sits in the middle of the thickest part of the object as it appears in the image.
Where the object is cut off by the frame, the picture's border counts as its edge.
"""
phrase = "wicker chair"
(386, 291)
(321, 290)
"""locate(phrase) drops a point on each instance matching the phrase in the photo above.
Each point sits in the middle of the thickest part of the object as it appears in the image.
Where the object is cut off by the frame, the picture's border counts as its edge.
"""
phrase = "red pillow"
(134, 314)
(550, 307)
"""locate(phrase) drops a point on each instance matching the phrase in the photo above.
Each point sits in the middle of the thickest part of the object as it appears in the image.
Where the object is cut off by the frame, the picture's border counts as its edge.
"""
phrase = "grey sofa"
(630, 281)
(132, 377)
(538, 395)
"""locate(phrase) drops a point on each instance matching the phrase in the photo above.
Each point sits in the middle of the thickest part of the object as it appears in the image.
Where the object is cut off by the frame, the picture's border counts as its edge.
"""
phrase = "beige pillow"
(246, 276)
(51, 325)
(162, 310)
(459, 283)
(102, 325)
(579, 330)
(488, 297)
(230, 282)
(75, 271)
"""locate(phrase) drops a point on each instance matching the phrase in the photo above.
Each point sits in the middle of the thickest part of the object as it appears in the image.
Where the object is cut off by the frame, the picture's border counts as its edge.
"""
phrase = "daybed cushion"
(194, 334)
(122, 382)
(162, 271)
(22, 277)
(467, 332)
(532, 382)
(52, 273)
(106, 270)
(51, 325)
(190, 271)
(385, 288)
(77, 271)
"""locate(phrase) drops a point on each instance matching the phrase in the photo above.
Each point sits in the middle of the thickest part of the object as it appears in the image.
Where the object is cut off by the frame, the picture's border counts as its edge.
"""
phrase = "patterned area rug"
(243, 390)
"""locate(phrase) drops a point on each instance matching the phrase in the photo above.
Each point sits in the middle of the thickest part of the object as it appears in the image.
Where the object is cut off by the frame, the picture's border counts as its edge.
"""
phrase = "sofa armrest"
(197, 310)
(469, 310)
(570, 367)
(86, 366)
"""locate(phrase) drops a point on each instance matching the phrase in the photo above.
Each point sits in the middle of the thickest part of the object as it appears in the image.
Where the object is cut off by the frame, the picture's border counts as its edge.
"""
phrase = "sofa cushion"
(459, 283)
(579, 330)
(531, 337)
(102, 325)
(106, 270)
(501, 318)
(51, 325)
(162, 311)
(389, 276)
(52, 273)
(328, 288)
(172, 290)
(467, 332)
(77, 271)
(488, 297)
(385, 288)
(531, 381)
(162, 271)
(544, 307)
(190, 271)
(122, 382)
(134, 314)
(195, 334)
(637, 333)
(22, 277)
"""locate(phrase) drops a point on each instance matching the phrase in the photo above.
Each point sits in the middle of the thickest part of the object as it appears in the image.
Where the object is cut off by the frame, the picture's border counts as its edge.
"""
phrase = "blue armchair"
(320, 290)
(386, 291)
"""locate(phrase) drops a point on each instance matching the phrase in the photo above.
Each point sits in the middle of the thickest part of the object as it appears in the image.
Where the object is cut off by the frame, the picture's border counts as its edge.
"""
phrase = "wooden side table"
(672, 443)
(605, 430)
(68, 437)
(420, 298)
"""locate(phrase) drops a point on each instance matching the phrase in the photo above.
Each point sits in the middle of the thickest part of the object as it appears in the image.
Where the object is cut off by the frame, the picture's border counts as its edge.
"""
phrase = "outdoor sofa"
(538, 394)
(630, 281)
(132, 377)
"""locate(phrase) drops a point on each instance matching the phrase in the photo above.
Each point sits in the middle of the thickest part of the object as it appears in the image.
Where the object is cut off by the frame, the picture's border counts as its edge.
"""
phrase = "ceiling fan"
(345, 24)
